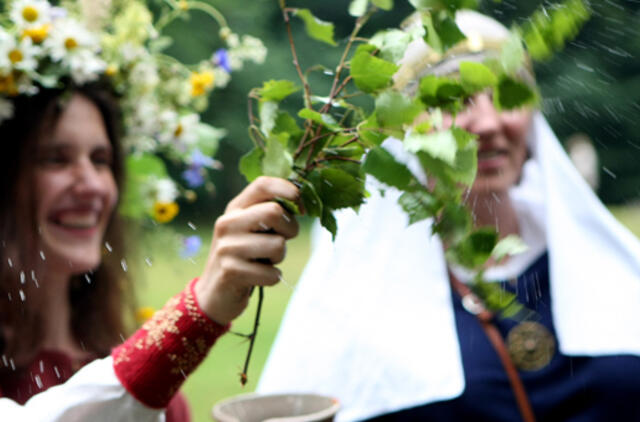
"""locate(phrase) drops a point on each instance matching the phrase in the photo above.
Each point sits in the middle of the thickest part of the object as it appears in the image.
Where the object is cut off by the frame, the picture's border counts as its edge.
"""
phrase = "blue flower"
(190, 246)
(221, 58)
(198, 159)
(193, 176)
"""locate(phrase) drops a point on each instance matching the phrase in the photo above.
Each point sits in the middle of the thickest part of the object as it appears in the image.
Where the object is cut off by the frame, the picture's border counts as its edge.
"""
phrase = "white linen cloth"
(371, 321)
(92, 394)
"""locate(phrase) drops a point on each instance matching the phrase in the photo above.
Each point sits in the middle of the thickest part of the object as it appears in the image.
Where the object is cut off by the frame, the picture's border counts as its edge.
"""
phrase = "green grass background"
(219, 375)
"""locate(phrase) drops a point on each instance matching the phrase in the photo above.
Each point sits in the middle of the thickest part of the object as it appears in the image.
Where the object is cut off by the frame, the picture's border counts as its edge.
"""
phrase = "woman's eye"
(53, 158)
(102, 158)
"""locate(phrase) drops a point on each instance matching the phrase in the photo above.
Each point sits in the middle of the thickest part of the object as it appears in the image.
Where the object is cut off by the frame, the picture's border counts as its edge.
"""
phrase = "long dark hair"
(100, 300)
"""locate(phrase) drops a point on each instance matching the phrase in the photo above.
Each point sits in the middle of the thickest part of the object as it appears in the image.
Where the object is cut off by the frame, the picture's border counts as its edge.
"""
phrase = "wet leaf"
(510, 94)
(392, 44)
(310, 199)
(251, 164)
(371, 73)
(358, 7)
(441, 145)
(419, 205)
(393, 109)
(316, 28)
(337, 188)
(277, 161)
(322, 119)
(476, 76)
(510, 245)
(383, 166)
(268, 113)
(277, 90)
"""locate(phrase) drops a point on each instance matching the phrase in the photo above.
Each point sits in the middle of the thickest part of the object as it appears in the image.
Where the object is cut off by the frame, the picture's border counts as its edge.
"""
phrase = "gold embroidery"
(193, 353)
(196, 315)
(163, 322)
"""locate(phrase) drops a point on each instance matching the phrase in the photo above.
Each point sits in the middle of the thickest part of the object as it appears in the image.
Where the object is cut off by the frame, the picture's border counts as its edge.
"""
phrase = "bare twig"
(252, 337)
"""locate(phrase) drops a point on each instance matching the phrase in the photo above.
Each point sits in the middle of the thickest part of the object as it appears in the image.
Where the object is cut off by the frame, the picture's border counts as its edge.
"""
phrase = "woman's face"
(502, 143)
(75, 188)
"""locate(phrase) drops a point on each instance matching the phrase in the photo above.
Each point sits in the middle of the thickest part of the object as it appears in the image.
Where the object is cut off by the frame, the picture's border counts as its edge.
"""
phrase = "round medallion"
(531, 346)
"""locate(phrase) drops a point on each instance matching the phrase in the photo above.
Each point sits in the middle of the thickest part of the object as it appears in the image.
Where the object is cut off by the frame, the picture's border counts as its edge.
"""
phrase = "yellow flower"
(8, 85)
(183, 5)
(30, 14)
(37, 34)
(15, 56)
(143, 314)
(70, 43)
(111, 70)
(163, 212)
(201, 82)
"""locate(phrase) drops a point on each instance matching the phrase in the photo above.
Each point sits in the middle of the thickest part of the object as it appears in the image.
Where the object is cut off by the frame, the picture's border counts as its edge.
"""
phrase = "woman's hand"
(248, 240)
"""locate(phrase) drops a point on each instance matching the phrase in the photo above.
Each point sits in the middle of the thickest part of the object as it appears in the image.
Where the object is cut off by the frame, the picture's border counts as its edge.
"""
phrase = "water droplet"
(10, 262)
(42, 367)
(609, 172)
(87, 278)
(9, 297)
(55, 369)
(108, 246)
(23, 297)
(12, 364)
(5, 361)
(38, 381)
(147, 261)
(42, 256)
(191, 225)
(23, 277)
(123, 264)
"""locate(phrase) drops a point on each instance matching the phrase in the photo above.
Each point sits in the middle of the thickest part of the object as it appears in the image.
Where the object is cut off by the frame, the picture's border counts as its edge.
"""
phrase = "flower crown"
(81, 41)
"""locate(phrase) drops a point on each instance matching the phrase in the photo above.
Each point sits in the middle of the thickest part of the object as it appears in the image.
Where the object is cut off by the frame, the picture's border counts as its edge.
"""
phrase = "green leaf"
(277, 90)
(441, 145)
(329, 222)
(441, 92)
(442, 31)
(288, 205)
(317, 29)
(454, 223)
(476, 248)
(310, 199)
(510, 94)
(383, 166)
(358, 7)
(322, 119)
(383, 4)
(476, 76)
(370, 131)
(512, 56)
(371, 73)
(268, 113)
(337, 188)
(277, 161)
(419, 205)
(251, 164)
(392, 44)
(394, 109)
(510, 245)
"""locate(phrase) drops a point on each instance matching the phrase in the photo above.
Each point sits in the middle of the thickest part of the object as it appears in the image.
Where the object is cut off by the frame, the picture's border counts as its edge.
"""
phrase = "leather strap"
(473, 304)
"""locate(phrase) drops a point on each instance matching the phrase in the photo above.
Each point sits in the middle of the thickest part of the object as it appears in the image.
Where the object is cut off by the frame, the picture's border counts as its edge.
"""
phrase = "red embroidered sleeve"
(156, 359)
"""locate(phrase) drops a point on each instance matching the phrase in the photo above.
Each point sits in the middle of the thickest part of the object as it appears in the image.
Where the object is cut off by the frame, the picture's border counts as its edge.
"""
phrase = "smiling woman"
(63, 295)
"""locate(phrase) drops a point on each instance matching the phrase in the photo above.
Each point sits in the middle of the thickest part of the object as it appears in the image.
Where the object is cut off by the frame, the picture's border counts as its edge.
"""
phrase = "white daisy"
(179, 131)
(30, 13)
(6, 109)
(69, 38)
(86, 67)
(19, 55)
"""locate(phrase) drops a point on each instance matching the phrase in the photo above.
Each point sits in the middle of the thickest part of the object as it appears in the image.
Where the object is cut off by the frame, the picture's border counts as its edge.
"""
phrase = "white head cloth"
(371, 322)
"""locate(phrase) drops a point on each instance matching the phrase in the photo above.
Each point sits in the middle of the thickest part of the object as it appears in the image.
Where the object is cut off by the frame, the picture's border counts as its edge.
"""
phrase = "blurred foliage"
(592, 86)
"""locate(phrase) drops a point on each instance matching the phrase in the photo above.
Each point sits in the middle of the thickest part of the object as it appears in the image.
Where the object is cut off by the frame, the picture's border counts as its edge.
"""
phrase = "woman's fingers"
(254, 247)
(264, 217)
(264, 189)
